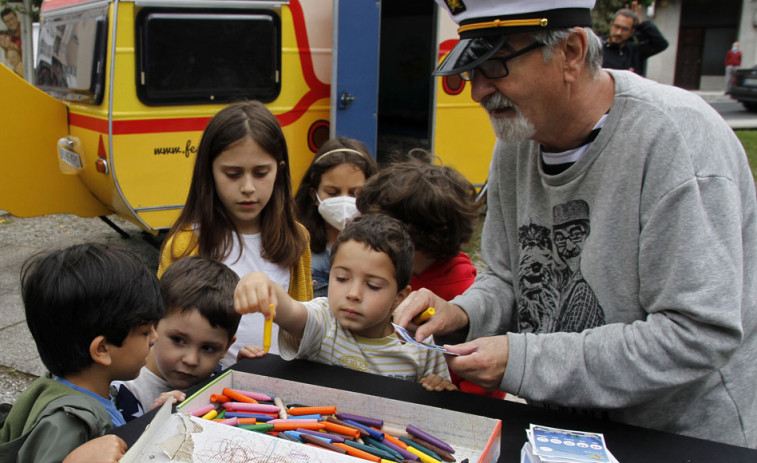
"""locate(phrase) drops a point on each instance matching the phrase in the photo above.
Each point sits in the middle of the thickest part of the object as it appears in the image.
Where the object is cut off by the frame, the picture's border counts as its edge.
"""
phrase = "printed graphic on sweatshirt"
(554, 295)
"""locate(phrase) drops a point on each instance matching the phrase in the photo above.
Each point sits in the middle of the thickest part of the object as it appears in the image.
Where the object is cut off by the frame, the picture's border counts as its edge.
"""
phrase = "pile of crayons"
(359, 436)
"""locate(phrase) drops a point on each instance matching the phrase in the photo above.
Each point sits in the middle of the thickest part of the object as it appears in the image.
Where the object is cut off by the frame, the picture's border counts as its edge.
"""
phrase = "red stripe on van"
(87, 122)
(50, 5)
(193, 124)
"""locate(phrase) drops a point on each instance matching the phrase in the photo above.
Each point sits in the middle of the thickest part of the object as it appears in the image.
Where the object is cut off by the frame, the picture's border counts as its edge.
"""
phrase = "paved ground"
(20, 238)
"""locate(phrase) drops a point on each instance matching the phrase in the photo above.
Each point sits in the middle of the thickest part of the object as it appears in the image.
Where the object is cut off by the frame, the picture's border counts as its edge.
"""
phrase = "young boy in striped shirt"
(371, 266)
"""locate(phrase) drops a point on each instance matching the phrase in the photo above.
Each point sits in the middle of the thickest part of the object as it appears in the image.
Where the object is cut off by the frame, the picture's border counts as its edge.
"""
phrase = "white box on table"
(474, 437)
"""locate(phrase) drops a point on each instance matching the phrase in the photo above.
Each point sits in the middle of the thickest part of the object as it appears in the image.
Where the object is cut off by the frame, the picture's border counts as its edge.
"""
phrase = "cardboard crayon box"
(180, 437)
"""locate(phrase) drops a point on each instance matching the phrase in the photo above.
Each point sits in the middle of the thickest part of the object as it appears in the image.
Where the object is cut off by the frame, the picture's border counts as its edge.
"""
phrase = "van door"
(32, 178)
(354, 70)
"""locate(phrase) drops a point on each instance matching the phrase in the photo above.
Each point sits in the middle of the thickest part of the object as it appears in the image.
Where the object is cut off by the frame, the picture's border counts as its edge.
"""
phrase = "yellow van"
(124, 88)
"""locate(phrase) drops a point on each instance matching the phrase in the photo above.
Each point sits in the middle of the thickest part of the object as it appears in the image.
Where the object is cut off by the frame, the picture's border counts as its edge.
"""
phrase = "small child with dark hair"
(199, 327)
(438, 207)
(91, 310)
(371, 263)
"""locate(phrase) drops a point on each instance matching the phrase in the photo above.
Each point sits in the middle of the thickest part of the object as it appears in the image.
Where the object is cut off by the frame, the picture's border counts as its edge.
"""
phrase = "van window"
(207, 56)
(71, 56)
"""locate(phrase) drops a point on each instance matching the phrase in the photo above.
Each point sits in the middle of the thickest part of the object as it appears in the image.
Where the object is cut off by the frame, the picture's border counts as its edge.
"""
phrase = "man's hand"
(482, 361)
(105, 449)
(447, 318)
(637, 9)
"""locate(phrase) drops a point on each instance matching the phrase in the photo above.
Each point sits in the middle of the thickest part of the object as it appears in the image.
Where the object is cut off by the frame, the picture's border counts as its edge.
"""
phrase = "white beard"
(511, 129)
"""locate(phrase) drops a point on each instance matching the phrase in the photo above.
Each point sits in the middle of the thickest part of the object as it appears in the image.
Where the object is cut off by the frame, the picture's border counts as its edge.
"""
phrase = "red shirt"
(733, 58)
(447, 279)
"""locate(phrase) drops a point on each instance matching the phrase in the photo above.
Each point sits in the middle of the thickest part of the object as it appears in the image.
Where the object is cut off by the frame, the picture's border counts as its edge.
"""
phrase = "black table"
(629, 444)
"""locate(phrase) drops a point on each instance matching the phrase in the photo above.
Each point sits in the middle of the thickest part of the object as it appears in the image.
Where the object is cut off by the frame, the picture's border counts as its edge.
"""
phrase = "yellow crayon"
(267, 327)
(210, 415)
(424, 458)
(423, 316)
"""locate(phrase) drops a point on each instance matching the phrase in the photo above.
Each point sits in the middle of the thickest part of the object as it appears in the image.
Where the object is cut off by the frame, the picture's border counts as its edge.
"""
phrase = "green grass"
(749, 140)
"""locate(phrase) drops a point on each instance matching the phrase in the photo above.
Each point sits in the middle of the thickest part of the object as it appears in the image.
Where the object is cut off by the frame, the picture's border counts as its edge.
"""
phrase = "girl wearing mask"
(325, 200)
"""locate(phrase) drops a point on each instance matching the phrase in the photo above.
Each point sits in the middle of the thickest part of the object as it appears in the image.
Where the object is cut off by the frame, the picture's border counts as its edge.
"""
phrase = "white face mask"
(337, 211)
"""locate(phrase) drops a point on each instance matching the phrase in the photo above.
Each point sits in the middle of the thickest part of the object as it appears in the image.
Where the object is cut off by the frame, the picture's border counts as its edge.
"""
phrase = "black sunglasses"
(496, 68)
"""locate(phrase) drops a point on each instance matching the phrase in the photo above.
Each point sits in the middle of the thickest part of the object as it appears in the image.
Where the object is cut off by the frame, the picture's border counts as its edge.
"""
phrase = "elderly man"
(631, 41)
(653, 191)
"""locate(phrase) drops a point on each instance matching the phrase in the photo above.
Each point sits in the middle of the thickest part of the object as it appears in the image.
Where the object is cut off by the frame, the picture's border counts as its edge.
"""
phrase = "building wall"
(748, 33)
(667, 18)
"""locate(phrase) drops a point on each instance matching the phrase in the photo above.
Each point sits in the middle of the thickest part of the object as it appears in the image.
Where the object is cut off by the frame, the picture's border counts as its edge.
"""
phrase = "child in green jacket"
(91, 310)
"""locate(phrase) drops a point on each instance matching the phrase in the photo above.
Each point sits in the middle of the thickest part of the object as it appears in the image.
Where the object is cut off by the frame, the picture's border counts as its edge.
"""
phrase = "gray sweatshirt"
(627, 283)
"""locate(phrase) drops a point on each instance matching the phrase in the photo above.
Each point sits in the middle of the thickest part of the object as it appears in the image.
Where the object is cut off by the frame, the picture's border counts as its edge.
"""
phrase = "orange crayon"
(347, 431)
(234, 395)
(219, 398)
(358, 453)
(327, 410)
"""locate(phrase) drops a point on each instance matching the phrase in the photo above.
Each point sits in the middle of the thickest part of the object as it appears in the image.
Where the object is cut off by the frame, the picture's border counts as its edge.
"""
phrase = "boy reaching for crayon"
(371, 264)
(91, 309)
(199, 327)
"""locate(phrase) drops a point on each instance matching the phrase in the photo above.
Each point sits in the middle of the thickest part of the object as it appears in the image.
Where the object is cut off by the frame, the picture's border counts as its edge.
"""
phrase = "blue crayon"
(296, 434)
(330, 437)
(373, 433)
(292, 434)
(285, 436)
(322, 436)
(317, 417)
(257, 416)
(380, 445)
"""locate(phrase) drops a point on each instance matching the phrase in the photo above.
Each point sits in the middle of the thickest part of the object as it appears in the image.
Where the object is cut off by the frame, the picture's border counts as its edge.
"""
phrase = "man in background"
(631, 41)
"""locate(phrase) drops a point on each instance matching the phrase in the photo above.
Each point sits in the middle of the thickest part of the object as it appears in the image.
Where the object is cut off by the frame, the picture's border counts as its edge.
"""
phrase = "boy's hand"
(250, 351)
(255, 292)
(105, 449)
(178, 395)
(437, 383)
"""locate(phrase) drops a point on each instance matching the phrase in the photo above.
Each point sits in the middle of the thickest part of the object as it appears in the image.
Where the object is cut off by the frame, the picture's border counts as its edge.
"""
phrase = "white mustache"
(497, 101)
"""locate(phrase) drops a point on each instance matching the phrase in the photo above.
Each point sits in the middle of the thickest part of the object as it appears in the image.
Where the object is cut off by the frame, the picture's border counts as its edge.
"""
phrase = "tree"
(22, 9)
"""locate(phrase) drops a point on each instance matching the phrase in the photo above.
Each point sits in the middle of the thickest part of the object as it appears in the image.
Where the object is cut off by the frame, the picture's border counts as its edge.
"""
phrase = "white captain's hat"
(485, 24)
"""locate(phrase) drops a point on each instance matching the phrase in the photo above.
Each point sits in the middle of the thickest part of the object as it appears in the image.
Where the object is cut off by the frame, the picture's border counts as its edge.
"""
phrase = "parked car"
(744, 88)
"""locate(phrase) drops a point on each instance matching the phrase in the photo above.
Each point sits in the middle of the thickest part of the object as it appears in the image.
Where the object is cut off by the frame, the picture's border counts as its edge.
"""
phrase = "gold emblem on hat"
(455, 6)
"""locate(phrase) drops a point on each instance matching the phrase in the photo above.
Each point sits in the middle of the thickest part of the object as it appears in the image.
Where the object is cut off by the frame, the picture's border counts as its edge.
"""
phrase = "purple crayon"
(407, 455)
(376, 423)
(429, 438)
(323, 435)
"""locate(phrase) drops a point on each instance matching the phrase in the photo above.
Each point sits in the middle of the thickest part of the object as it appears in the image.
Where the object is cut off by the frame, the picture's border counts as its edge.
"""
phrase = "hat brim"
(469, 53)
